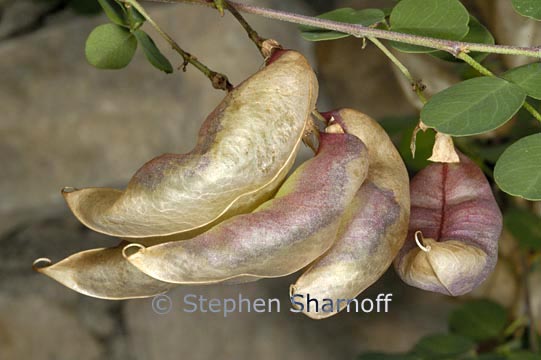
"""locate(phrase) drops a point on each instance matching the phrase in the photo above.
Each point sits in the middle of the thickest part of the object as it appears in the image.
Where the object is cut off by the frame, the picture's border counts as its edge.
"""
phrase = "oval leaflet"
(473, 106)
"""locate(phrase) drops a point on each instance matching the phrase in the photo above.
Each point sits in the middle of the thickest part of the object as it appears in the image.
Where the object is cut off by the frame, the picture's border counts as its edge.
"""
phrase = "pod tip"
(420, 240)
(68, 189)
(126, 255)
(41, 263)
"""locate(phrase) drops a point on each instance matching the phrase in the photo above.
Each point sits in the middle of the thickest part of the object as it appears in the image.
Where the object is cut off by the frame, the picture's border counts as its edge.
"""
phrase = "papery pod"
(102, 273)
(455, 224)
(281, 236)
(373, 227)
(245, 148)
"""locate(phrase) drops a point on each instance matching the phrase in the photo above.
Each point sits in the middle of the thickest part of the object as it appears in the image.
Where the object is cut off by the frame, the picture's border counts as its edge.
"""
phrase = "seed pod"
(455, 224)
(245, 148)
(102, 273)
(281, 236)
(373, 228)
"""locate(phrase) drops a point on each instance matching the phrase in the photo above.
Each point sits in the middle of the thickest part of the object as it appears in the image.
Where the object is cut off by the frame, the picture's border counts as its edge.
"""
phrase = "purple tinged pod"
(455, 225)
(372, 229)
(281, 236)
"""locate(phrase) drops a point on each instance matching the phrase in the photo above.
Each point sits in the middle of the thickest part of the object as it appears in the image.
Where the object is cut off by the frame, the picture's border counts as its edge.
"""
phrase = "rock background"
(65, 123)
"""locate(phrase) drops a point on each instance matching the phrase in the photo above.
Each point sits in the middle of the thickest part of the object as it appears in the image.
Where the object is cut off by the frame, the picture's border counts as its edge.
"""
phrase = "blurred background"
(65, 123)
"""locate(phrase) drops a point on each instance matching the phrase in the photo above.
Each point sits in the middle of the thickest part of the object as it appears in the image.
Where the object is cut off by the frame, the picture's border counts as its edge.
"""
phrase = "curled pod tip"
(372, 228)
(102, 273)
(455, 225)
(281, 236)
(245, 148)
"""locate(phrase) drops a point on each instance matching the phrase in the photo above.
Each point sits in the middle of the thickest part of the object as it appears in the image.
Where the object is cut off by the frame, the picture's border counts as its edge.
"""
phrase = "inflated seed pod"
(455, 224)
(102, 273)
(373, 227)
(281, 236)
(245, 148)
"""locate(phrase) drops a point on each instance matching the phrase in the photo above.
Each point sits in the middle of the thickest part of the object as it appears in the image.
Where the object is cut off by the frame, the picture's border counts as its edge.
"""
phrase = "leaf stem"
(219, 81)
(416, 85)
(474, 64)
(453, 47)
(484, 71)
(532, 110)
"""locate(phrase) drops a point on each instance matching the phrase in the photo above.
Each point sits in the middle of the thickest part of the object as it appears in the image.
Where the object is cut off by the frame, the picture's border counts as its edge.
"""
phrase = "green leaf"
(444, 347)
(85, 7)
(478, 320)
(518, 170)
(479, 34)
(527, 77)
(110, 46)
(113, 11)
(528, 8)
(525, 227)
(364, 17)
(442, 19)
(152, 53)
(473, 106)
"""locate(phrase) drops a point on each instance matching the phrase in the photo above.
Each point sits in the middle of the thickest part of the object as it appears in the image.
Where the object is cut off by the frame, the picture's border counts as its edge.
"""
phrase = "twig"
(252, 34)
(453, 47)
(457, 48)
(219, 81)
(415, 84)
